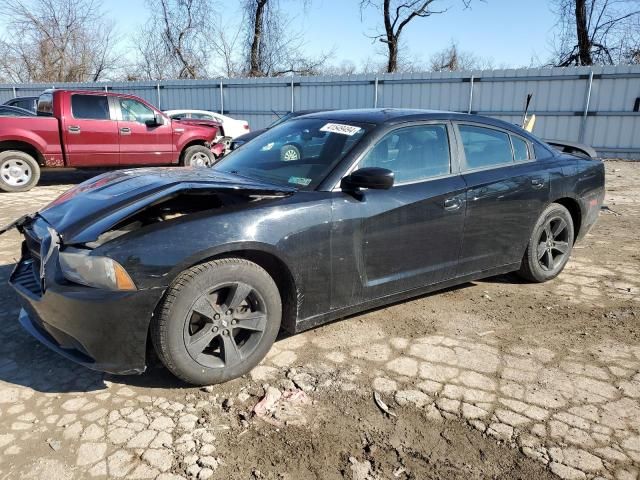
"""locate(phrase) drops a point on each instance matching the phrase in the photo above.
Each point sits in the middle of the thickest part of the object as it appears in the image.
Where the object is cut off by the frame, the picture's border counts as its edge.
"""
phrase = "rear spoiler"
(573, 148)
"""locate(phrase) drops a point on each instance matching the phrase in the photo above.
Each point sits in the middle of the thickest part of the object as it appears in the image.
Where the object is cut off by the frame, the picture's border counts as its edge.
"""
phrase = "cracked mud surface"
(491, 379)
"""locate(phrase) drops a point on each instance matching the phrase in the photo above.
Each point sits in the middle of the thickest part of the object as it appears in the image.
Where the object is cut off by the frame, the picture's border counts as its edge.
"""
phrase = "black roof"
(379, 116)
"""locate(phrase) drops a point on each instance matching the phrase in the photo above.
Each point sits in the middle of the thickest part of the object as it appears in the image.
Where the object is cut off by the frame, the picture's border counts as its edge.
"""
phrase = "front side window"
(412, 153)
(520, 149)
(485, 147)
(134, 111)
(89, 107)
(299, 153)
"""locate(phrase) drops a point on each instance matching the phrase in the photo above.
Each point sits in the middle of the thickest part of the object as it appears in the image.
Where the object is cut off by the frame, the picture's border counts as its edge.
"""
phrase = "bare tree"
(272, 48)
(452, 59)
(56, 41)
(176, 40)
(396, 16)
(596, 31)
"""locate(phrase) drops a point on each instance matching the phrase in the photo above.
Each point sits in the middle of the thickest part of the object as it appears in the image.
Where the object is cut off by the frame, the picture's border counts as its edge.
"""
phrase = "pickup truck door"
(90, 132)
(141, 144)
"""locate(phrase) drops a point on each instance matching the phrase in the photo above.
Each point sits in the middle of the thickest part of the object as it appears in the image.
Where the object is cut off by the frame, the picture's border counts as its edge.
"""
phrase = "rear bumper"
(102, 330)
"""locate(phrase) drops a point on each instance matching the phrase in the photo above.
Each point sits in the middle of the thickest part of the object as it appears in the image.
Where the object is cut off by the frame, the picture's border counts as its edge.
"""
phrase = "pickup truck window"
(134, 111)
(90, 107)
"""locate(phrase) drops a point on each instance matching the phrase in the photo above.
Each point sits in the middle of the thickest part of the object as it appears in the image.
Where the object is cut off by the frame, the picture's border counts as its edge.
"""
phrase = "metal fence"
(598, 106)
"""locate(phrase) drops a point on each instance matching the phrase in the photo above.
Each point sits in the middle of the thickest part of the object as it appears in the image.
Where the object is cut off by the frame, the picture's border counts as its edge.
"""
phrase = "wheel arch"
(276, 266)
(573, 206)
(24, 147)
(191, 143)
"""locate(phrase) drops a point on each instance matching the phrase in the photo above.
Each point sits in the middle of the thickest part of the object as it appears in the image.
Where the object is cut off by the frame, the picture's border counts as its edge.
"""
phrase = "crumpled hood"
(89, 209)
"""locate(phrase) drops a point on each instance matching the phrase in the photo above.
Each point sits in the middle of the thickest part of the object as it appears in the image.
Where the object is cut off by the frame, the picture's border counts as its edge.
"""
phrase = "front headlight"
(98, 272)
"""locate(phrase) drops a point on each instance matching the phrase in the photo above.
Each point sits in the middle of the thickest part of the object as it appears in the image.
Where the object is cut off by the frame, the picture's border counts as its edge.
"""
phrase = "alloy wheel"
(553, 244)
(16, 172)
(290, 154)
(225, 326)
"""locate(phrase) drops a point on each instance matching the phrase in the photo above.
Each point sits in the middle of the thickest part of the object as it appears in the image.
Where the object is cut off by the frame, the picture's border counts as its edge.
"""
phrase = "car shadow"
(25, 361)
(66, 176)
(454, 288)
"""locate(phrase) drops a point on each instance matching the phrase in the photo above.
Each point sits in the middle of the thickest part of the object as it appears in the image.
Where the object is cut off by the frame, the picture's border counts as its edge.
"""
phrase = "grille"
(27, 276)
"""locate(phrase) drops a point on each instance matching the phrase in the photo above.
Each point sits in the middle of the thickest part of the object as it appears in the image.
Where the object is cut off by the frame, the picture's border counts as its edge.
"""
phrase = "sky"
(509, 32)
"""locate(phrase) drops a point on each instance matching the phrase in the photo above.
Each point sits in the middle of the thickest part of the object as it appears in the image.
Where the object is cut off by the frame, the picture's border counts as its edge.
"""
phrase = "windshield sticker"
(340, 128)
(268, 146)
(300, 181)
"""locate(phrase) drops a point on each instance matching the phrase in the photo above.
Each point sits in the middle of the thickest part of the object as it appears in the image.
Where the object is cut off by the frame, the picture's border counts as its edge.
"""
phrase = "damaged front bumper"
(100, 329)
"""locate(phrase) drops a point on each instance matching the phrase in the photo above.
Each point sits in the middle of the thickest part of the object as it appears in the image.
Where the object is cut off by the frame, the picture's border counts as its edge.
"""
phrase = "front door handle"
(452, 204)
(125, 131)
(537, 183)
(74, 129)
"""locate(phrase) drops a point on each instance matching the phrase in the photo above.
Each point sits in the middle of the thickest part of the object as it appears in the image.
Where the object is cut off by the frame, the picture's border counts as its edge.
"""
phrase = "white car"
(230, 126)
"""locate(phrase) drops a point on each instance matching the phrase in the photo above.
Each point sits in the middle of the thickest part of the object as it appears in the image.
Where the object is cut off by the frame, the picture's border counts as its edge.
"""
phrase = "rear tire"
(217, 321)
(549, 246)
(198, 156)
(19, 171)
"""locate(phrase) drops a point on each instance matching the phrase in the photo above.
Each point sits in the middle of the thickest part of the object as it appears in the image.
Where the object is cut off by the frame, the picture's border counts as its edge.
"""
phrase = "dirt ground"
(493, 379)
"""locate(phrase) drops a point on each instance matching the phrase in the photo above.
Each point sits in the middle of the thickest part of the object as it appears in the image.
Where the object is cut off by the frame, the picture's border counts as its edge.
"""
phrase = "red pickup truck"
(84, 129)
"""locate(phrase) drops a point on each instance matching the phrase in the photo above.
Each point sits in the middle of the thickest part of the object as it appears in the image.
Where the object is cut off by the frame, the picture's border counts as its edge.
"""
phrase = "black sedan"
(210, 264)
(8, 111)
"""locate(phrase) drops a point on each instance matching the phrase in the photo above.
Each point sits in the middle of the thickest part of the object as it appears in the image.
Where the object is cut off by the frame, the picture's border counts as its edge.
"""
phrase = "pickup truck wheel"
(217, 321)
(19, 171)
(198, 156)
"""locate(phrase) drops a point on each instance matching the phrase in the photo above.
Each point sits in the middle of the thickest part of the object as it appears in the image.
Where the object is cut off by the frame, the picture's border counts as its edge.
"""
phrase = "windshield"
(298, 153)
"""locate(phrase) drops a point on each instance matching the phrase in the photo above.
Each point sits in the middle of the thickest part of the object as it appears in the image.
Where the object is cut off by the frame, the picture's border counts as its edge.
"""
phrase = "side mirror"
(370, 177)
(157, 120)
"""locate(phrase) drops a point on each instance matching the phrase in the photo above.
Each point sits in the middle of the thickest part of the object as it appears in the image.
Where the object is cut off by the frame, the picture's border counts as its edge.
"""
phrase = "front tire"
(19, 171)
(217, 321)
(289, 153)
(198, 156)
(549, 246)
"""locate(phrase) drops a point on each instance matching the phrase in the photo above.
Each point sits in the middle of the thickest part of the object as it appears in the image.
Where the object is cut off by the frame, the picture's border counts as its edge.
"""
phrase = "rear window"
(90, 107)
(45, 105)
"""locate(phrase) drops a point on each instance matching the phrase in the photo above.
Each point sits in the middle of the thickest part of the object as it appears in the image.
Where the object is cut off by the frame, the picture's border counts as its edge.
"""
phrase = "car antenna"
(526, 109)
(276, 114)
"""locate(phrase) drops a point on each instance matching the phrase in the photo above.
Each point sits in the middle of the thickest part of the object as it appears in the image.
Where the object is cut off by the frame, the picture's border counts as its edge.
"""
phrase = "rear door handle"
(125, 131)
(452, 204)
(74, 129)
(537, 182)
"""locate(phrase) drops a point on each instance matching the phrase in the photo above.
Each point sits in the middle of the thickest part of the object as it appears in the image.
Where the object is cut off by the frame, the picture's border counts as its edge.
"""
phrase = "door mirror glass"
(369, 177)
(155, 121)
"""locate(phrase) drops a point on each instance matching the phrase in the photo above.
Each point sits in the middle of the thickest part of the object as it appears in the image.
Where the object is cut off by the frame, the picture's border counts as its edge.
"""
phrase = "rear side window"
(520, 149)
(412, 153)
(485, 147)
(90, 107)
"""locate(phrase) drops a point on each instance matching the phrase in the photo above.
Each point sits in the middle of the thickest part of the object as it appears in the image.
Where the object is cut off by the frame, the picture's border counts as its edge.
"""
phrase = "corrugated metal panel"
(559, 98)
